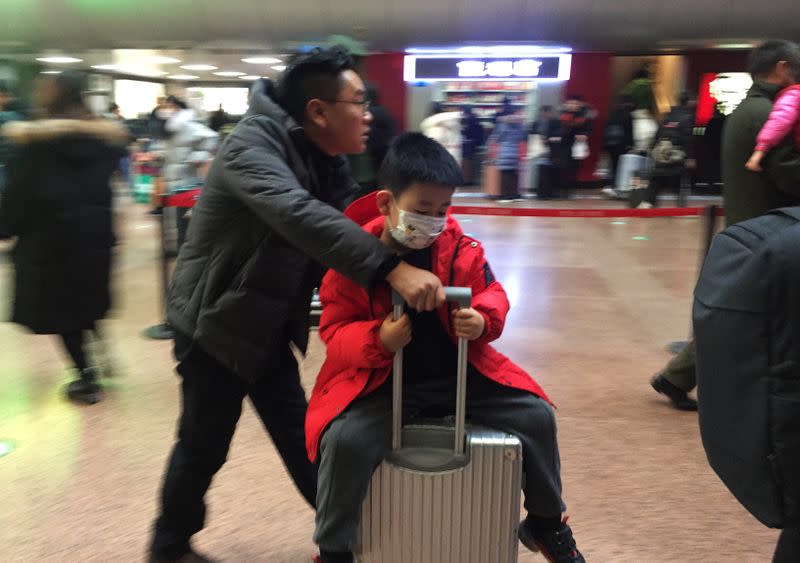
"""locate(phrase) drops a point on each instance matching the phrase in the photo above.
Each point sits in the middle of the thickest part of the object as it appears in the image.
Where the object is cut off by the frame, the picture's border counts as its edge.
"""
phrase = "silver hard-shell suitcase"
(445, 494)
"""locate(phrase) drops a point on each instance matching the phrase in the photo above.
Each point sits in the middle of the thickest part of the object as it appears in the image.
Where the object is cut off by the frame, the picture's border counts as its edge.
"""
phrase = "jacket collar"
(43, 130)
(766, 89)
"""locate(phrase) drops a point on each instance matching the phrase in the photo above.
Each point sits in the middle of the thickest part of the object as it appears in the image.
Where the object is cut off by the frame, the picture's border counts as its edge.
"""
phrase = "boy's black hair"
(414, 158)
(316, 74)
(764, 57)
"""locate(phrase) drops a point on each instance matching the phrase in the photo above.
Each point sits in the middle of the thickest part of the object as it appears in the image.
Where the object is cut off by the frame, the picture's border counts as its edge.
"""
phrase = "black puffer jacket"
(267, 223)
(58, 205)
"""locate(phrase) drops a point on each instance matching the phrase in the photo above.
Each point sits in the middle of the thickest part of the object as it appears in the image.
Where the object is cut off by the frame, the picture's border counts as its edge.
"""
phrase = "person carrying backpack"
(744, 356)
(673, 151)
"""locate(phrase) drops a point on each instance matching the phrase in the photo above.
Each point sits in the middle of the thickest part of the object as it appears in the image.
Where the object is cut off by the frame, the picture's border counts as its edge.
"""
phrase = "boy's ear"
(384, 200)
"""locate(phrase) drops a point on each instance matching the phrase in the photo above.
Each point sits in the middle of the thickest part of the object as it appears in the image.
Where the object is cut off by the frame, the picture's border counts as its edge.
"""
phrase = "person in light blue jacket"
(505, 143)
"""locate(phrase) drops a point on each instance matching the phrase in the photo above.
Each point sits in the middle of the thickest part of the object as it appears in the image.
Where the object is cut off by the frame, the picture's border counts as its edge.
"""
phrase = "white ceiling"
(276, 25)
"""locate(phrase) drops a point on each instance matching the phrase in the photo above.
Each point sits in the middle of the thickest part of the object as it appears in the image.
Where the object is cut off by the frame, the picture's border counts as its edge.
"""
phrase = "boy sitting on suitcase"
(349, 420)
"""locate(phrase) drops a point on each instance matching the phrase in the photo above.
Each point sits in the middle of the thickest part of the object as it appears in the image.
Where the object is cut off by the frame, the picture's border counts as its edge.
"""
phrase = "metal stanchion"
(710, 224)
(180, 203)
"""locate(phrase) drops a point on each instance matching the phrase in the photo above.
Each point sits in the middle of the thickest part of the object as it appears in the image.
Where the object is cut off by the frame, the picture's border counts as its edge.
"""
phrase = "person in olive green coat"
(774, 66)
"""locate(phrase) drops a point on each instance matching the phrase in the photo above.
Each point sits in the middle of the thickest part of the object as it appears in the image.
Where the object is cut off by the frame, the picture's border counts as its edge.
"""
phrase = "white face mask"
(417, 231)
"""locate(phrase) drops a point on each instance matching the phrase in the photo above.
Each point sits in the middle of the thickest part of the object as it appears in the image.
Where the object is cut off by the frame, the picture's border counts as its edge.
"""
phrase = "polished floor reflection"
(594, 303)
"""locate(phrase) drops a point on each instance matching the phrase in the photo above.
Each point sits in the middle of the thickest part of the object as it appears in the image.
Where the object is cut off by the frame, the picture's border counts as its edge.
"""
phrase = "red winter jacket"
(357, 363)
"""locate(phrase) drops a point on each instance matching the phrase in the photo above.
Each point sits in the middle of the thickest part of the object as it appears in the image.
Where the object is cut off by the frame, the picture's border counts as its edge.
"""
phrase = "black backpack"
(669, 147)
(747, 337)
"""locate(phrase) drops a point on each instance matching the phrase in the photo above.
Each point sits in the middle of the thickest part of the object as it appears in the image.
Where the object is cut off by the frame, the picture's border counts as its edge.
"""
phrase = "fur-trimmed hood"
(44, 130)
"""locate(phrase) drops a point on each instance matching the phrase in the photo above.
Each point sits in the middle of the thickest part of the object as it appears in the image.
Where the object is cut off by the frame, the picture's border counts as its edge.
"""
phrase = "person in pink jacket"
(784, 118)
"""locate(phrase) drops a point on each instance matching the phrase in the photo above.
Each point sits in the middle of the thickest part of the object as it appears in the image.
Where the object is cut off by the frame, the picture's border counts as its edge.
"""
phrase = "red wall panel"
(591, 79)
(385, 71)
(716, 61)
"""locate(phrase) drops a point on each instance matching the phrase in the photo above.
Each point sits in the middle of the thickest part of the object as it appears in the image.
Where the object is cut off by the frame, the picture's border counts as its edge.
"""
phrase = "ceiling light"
(279, 68)
(199, 67)
(229, 73)
(183, 77)
(59, 60)
(133, 70)
(159, 60)
(51, 72)
(250, 77)
(734, 46)
(261, 60)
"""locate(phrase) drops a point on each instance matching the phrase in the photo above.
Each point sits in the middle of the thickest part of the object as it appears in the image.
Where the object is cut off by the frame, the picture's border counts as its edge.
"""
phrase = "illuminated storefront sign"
(458, 67)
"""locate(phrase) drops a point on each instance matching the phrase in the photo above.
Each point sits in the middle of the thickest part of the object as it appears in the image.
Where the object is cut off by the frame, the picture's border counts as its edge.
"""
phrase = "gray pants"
(355, 443)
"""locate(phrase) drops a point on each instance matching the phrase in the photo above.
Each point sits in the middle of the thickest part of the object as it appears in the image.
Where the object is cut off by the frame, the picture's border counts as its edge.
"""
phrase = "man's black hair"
(414, 158)
(177, 101)
(4, 87)
(764, 57)
(316, 74)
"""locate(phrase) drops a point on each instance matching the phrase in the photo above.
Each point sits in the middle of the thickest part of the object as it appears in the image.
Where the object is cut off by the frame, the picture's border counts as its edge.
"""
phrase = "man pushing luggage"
(349, 420)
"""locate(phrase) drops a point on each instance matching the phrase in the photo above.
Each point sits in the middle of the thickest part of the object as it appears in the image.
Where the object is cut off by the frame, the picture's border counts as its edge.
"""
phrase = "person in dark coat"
(382, 131)
(58, 206)
(472, 138)
(746, 194)
(266, 225)
(158, 119)
(673, 150)
(548, 127)
(575, 127)
(618, 138)
(218, 120)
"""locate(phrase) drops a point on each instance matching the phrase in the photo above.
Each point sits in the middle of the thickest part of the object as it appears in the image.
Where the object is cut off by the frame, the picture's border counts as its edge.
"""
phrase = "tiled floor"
(592, 311)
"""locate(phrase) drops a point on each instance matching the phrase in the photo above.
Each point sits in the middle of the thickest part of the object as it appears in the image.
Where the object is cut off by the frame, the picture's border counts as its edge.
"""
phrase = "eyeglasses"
(365, 104)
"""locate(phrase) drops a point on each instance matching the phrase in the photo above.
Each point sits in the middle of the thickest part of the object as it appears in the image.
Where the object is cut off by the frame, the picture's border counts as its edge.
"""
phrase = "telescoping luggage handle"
(463, 297)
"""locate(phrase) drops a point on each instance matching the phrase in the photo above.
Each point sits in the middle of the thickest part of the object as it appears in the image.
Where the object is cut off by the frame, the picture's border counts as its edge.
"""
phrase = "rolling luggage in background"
(747, 339)
(629, 166)
(444, 494)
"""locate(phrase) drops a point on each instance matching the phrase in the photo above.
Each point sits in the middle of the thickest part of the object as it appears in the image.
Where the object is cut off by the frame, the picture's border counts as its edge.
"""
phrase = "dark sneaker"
(191, 557)
(680, 398)
(86, 389)
(557, 546)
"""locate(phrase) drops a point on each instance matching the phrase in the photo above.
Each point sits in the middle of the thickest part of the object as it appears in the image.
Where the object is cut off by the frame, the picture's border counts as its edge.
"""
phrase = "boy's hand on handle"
(468, 323)
(395, 335)
(421, 289)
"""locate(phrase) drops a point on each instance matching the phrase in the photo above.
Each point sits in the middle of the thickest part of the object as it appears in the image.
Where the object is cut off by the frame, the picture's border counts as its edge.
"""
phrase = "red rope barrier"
(579, 213)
